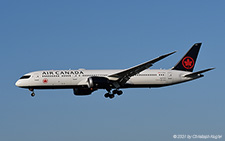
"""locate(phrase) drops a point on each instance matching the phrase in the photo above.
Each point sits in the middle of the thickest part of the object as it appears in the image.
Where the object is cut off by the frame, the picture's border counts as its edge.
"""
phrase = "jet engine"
(98, 82)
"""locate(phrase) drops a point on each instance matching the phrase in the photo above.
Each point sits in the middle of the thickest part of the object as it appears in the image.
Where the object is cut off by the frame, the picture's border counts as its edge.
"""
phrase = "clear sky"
(45, 34)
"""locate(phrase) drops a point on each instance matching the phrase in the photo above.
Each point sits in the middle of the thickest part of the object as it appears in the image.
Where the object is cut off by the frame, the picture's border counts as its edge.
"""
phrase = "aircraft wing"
(123, 76)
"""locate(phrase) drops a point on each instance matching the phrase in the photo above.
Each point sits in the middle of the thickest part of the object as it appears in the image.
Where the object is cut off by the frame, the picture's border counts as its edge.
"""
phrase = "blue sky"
(40, 35)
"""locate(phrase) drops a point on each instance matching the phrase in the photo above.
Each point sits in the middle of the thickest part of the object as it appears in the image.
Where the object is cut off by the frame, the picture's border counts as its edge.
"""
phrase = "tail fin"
(187, 63)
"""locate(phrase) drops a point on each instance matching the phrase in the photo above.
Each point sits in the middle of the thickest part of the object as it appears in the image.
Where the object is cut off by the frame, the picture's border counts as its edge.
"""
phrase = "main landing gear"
(32, 90)
(112, 95)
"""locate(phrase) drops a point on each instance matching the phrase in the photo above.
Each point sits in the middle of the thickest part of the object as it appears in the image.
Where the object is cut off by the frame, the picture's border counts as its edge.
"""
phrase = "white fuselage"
(56, 79)
(84, 82)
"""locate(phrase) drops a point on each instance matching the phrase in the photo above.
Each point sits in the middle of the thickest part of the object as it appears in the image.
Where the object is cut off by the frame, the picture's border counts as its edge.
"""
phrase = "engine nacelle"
(82, 91)
(98, 82)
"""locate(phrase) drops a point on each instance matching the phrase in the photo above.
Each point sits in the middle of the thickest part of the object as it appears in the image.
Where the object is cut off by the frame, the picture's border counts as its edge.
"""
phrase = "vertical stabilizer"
(187, 63)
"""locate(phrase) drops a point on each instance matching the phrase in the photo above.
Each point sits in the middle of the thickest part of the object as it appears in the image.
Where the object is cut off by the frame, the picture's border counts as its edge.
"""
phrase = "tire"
(111, 96)
(32, 94)
(106, 95)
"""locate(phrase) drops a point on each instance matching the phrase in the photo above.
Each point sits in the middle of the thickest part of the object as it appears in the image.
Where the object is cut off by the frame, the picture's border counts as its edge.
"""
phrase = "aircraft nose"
(18, 83)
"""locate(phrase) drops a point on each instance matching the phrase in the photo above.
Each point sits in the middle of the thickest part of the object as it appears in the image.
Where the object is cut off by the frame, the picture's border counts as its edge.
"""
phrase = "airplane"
(84, 82)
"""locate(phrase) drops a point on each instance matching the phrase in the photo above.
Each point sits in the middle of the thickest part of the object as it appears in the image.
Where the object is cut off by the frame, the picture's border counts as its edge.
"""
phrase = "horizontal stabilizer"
(198, 72)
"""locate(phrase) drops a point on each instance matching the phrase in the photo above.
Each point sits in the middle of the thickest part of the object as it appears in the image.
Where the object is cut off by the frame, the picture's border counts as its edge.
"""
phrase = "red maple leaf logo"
(45, 80)
(188, 62)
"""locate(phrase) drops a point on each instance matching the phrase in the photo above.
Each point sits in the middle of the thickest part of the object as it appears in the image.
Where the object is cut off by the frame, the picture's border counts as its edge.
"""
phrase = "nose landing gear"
(32, 94)
(32, 90)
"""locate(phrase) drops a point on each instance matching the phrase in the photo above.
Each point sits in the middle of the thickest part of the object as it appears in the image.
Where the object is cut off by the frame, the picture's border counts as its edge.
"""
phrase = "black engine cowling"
(98, 82)
(82, 91)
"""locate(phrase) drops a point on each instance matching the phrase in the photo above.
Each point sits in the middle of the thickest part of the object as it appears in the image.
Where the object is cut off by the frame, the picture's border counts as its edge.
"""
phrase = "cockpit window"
(25, 77)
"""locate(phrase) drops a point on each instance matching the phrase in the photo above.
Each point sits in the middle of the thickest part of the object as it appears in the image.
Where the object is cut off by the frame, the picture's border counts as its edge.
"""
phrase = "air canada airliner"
(85, 82)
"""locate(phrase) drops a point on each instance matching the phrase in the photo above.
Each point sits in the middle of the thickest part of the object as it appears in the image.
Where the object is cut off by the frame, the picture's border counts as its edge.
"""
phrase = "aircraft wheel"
(106, 95)
(114, 91)
(32, 94)
(119, 92)
(111, 96)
